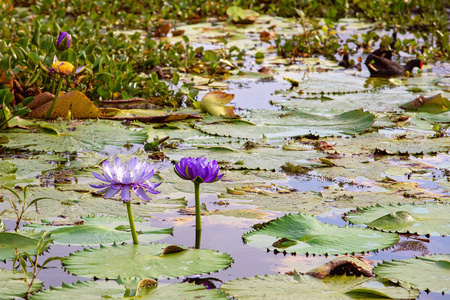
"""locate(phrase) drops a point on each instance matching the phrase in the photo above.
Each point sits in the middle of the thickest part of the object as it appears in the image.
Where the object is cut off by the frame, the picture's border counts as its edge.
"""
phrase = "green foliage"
(20, 257)
(22, 242)
(302, 233)
(14, 285)
(22, 201)
(427, 219)
(428, 273)
(144, 261)
(101, 230)
(128, 289)
(331, 287)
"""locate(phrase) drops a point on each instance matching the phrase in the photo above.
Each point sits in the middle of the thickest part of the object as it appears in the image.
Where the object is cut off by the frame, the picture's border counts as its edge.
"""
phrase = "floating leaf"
(75, 102)
(75, 135)
(214, 102)
(23, 241)
(335, 287)
(314, 237)
(434, 104)
(102, 230)
(14, 284)
(289, 123)
(93, 290)
(429, 273)
(144, 261)
(426, 219)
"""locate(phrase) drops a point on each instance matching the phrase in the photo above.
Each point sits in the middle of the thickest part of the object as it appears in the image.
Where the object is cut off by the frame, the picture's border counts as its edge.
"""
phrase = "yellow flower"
(63, 67)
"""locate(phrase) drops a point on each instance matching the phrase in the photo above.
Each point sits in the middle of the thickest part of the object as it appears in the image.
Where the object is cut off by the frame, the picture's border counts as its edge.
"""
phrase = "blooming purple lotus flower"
(134, 175)
(198, 170)
(63, 41)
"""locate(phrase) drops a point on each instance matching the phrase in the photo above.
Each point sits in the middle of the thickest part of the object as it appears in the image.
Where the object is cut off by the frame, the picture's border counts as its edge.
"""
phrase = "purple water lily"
(198, 170)
(134, 175)
(63, 41)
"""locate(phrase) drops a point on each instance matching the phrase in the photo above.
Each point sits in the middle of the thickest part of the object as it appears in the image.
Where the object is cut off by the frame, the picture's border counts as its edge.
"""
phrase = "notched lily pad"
(23, 241)
(144, 261)
(424, 219)
(101, 230)
(428, 273)
(331, 287)
(127, 289)
(314, 237)
(14, 284)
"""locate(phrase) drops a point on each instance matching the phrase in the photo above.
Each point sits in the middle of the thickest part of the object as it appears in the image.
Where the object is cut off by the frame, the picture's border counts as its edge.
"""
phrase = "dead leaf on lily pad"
(214, 102)
(434, 104)
(350, 265)
(77, 103)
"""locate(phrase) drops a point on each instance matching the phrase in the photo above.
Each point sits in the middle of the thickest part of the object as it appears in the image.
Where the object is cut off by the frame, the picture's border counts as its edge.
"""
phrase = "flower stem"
(198, 214)
(131, 220)
(58, 90)
(198, 238)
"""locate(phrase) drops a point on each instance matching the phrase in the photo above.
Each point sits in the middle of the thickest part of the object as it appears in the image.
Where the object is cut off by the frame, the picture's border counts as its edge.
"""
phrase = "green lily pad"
(302, 233)
(102, 230)
(74, 136)
(24, 241)
(331, 287)
(73, 204)
(289, 123)
(14, 284)
(428, 273)
(111, 289)
(427, 219)
(144, 261)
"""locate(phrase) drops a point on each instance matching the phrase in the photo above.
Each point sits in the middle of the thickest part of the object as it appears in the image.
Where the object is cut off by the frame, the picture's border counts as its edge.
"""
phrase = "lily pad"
(302, 233)
(333, 287)
(111, 289)
(428, 273)
(426, 219)
(24, 241)
(74, 136)
(102, 230)
(144, 261)
(290, 123)
(14, 284)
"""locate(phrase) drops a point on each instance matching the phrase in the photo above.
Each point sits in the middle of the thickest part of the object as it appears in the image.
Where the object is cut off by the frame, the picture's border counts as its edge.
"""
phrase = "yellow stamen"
(63, 67)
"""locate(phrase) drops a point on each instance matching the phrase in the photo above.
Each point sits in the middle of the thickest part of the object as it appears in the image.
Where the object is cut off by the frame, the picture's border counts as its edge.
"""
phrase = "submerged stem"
(131, 220)
(198, 214)
(58, 90)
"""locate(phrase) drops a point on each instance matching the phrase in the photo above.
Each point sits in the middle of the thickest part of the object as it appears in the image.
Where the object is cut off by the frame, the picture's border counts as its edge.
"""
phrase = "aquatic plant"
(20, 256)
(133, 175)
(19, 211)
(64, 69)
(198, 170)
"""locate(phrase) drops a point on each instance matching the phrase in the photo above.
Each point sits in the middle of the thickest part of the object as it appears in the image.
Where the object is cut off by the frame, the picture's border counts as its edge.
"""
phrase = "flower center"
(63, 67)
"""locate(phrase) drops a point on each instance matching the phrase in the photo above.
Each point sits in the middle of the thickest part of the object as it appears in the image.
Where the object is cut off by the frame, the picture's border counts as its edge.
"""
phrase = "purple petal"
(111, 192)
(140, 192)
(98, 176)
(80, 69)
(126, 193)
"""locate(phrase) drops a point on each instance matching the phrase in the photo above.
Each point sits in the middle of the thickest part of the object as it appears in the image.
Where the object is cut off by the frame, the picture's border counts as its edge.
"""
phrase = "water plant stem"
(198, 238)
(131, 220)
(198, 214)
(58, 90)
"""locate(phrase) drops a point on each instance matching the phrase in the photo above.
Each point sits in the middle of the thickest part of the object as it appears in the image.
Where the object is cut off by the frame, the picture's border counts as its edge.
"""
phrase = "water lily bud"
(63, 41)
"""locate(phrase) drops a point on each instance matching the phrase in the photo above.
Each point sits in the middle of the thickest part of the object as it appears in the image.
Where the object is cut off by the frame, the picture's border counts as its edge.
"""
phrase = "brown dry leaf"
(40, 100)
(350, 265)
(76, 102)
(214, 102)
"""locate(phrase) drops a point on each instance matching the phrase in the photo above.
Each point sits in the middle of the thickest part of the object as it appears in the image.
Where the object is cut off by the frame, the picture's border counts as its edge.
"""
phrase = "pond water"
(349, 168)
